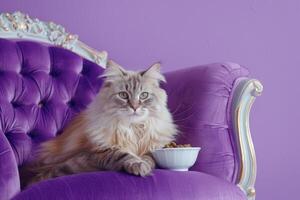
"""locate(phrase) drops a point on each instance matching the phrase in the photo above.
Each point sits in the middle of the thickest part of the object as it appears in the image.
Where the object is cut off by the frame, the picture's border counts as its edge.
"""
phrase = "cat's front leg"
(138, 167)
(149, 159)
(116, 159)
(141, 166)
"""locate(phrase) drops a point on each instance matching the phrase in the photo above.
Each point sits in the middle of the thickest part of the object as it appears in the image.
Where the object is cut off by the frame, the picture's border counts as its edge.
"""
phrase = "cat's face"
(133, 96)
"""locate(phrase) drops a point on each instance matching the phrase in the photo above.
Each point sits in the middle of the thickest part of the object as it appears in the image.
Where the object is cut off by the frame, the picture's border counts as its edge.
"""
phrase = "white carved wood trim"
(243, 98)
(20, 26)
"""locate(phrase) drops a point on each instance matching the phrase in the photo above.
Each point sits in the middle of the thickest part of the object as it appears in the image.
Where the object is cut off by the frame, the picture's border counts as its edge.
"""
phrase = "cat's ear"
(114, 69)
(153, 72)
(112, 72)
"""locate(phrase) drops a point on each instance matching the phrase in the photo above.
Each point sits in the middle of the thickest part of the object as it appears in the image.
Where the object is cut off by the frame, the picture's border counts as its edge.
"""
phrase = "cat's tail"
(40, 171)
(33, 173)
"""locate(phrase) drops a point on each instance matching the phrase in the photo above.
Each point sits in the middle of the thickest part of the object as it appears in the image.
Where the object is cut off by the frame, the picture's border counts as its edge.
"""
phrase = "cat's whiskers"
(183, 111)
(184, 119)
(176, 109)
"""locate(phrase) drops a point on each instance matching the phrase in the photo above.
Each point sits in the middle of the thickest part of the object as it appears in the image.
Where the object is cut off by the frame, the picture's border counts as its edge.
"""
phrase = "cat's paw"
(138, 168)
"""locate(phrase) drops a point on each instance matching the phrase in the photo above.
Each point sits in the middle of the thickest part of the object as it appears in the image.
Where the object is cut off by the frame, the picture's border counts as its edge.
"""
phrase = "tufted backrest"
(41, 88)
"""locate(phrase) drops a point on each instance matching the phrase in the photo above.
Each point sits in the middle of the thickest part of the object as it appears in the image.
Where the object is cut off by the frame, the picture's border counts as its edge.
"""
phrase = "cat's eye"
(123, 95)
(144, 95)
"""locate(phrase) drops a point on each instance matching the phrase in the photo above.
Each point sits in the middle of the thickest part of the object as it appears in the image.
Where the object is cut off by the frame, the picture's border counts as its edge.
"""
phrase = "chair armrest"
(245, 92)
(9, 175)
(198, 98)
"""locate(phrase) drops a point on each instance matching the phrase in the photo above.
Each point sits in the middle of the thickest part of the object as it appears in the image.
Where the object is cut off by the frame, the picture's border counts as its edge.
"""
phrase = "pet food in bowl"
(176, 157)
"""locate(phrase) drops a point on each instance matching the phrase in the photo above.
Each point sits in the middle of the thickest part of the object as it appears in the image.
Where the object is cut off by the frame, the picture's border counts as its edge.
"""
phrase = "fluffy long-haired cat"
(128, 119)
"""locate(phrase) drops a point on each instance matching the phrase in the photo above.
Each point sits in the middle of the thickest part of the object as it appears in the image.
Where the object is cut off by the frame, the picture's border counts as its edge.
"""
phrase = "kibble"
(174, 145)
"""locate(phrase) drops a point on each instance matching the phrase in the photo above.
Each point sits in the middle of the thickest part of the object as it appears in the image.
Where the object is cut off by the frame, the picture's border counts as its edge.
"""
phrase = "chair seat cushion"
(163, 184)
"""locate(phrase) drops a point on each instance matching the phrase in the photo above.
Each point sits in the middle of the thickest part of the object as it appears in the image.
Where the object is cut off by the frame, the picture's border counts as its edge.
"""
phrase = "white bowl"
(177, 159)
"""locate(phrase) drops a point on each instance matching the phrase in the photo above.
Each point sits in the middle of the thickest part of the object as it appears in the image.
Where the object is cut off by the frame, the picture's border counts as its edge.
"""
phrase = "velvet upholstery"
(43, 87)
(162, 185)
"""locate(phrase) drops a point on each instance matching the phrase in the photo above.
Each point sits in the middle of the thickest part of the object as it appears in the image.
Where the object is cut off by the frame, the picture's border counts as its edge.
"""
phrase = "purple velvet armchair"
(48, 76)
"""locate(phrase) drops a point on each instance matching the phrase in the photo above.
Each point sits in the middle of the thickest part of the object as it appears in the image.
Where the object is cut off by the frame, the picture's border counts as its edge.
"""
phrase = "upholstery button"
(31, 134)
(53, 72)
(71, 103)
(41, 104)
(15, 104)
(22, 73)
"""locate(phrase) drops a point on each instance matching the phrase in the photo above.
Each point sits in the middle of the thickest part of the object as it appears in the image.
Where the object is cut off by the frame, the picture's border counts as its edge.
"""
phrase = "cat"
(127, 120)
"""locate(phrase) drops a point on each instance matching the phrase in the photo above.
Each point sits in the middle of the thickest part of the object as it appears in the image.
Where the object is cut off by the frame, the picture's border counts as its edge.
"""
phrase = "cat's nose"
(134, 105)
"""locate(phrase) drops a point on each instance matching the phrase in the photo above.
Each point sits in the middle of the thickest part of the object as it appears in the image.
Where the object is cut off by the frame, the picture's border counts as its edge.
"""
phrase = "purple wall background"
(260, 34)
